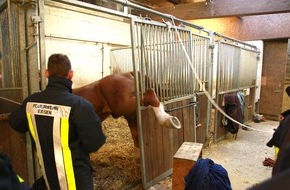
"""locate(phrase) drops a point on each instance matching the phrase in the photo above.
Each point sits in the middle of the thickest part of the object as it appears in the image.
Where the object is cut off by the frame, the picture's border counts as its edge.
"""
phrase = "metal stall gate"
(171, 58)
(236, 72)
(11, 87)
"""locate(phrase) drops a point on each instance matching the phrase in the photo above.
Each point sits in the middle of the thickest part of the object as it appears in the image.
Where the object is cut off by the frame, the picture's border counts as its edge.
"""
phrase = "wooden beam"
(174, 1)
(226, 8)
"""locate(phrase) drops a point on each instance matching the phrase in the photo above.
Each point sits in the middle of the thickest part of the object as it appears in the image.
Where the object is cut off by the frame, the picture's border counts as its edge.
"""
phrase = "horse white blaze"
(166, 119)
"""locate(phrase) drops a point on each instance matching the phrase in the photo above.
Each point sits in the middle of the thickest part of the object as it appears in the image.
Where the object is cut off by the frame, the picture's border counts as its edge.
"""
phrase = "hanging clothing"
(243, 105)
(233, 109)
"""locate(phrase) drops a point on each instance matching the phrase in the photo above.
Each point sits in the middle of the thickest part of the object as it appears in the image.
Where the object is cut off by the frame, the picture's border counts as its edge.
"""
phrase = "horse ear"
(70, 74)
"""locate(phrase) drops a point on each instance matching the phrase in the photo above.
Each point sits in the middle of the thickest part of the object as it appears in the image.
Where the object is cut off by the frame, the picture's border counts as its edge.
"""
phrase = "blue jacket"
(9, 180)
(206, 175)
(65, 130)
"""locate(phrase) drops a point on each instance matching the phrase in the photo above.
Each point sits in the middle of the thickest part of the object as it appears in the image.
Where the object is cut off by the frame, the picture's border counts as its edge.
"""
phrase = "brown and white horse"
(115, 95)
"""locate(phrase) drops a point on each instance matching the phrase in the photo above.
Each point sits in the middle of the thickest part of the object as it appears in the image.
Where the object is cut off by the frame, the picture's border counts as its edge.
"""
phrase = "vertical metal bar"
(191, 76)
(218, 87)
(169, 62)
(140, 43)
(41, 44)
(10, 41)
(171, 50)
(191, 45)
(205, 63)
(209, 66)
(162, 64)
(139, 118)
(179, 52)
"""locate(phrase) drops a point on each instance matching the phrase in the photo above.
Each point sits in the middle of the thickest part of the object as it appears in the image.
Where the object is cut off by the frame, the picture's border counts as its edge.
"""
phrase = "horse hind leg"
(132, 123)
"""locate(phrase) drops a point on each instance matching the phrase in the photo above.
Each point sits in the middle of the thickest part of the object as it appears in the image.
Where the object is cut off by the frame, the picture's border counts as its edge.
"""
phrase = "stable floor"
(242, 158)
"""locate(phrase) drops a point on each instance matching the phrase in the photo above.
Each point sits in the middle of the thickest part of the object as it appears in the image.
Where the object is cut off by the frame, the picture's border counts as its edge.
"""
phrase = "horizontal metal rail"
(181, 107)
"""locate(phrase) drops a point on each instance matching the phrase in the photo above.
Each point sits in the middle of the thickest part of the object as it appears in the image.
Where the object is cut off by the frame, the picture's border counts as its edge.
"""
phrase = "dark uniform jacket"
(9, 180)
(281, 139)
(65, 130)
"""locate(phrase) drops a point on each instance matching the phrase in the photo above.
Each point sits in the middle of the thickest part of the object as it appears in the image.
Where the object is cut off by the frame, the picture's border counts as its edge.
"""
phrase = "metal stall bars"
(121, 60)
(236, 72)
(159, 56)
(178, 65)
(13, 86)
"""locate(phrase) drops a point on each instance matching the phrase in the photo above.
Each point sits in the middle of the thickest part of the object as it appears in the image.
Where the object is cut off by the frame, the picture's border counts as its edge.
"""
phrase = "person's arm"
(18, 119)
(89, 128)
(280, 181)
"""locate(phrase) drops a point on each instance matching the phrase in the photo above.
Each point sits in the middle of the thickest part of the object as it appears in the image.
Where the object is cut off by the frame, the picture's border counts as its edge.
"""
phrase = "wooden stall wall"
(161, 143)
(273, 78)
(249, 106)
(178, 64)
(202, 119)
(220, 129)
(236, 72)
(13, 144)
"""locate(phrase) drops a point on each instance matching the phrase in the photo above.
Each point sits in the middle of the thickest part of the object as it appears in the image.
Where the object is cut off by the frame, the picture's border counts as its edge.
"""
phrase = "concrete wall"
(249, 28)
(87, 38)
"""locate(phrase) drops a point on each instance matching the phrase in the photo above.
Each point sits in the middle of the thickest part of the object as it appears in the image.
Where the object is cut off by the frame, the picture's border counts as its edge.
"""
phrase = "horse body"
(115, 95)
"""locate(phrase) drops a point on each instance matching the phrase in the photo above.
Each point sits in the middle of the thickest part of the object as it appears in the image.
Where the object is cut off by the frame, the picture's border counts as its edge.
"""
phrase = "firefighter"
(64, 127)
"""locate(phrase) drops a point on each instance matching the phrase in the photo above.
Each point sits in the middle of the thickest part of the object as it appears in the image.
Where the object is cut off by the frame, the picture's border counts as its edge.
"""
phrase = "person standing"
(64, 127)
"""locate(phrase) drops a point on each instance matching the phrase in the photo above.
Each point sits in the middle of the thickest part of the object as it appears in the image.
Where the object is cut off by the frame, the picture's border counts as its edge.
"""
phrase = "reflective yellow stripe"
(30, 113)
(67, 154)
(20, 179)
(62, 153)
(31, 129)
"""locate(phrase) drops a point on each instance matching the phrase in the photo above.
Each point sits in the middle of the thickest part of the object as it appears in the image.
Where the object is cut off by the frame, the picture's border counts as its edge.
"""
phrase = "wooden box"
(184, 159)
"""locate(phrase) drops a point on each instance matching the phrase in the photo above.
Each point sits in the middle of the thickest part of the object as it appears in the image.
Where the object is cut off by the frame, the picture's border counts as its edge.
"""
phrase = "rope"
(8, 100)
(205, 91)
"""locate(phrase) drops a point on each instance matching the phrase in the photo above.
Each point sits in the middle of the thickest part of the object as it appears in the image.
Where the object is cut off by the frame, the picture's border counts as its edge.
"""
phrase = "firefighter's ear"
(46, 73)
(70, 74)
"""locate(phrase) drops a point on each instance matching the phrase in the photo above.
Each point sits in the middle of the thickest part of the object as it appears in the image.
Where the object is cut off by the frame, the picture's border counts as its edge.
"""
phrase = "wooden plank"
(220, 131)
(159, 159)
(152, 3)
(250, 105)
(180, 115)
(273, 78)
(4, 138)
(226, 8)
(174, 1)
(146, 144)
(168, 142)
(178, 134)
(13, 144)
(154, 157)
(188, 121)
(161, 143)
(202, 115)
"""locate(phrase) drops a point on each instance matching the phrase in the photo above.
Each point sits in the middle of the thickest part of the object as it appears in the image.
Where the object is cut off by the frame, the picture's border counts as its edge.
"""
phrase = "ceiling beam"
(173, 1)
(226, 8)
